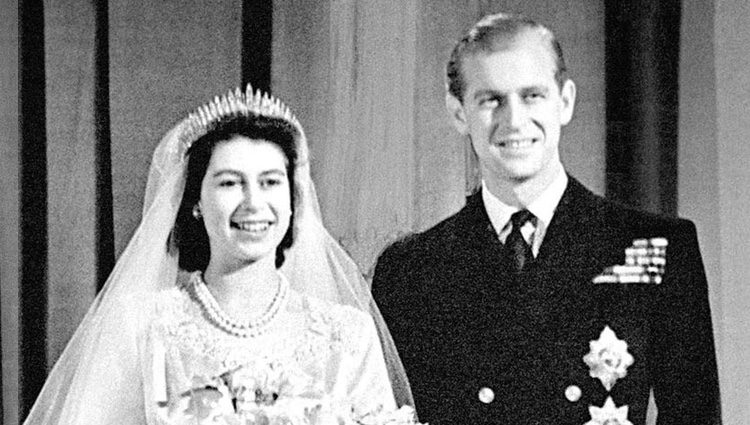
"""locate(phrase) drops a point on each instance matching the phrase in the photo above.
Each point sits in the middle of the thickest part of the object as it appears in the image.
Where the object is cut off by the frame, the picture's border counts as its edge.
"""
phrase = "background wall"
(715, 179)
(71, 77)
(166, 58)
(9, 211)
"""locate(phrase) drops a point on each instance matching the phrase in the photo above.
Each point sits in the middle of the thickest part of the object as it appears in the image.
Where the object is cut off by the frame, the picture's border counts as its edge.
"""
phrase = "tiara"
(232, 104)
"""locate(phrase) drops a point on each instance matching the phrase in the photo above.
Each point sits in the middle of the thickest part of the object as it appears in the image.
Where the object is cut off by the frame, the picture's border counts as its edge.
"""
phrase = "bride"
(231, 304)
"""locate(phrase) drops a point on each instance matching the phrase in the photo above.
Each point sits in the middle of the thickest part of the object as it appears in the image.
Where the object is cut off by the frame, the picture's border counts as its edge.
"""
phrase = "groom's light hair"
(493, 33)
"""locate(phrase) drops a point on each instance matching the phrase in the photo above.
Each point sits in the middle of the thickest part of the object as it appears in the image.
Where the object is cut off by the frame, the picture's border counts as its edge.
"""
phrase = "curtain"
(642, 51)
(33, 201)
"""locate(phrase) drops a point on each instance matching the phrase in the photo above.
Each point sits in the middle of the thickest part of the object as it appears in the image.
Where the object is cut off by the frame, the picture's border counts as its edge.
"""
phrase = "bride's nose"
(252, 197)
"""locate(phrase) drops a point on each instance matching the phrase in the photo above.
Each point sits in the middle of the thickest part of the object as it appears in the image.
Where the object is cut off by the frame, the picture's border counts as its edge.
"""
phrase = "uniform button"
(486, 395)
(573, 393)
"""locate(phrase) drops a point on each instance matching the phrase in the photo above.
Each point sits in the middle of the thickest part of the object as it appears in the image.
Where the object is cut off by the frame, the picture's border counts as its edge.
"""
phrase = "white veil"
(99, 376)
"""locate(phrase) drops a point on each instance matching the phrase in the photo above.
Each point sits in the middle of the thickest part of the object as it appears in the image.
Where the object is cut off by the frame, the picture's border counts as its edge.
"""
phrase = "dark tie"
(519, 251)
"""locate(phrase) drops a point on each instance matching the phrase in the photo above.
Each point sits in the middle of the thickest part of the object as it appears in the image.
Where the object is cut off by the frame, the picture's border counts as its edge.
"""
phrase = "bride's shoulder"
(329, 310)
(174, 300)
(339, 320)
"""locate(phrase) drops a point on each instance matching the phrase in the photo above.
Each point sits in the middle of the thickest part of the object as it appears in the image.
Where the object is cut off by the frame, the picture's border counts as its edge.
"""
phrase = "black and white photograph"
(375, 212)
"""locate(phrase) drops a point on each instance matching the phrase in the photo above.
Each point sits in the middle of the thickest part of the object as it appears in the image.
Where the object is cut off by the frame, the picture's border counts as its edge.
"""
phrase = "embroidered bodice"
(312, 356)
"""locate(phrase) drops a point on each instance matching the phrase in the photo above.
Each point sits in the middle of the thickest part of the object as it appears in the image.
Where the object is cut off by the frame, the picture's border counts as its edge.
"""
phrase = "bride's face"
(245, 201)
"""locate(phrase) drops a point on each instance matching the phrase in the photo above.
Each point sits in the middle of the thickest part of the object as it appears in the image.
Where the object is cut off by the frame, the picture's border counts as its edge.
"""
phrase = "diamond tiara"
(232, 104)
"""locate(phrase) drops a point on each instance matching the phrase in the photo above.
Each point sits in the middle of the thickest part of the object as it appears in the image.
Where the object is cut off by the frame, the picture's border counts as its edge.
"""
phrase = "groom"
(540, 302)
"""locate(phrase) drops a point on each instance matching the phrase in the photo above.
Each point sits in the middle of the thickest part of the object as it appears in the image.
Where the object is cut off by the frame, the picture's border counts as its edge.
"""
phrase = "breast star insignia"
(608, 358)
(609, 414)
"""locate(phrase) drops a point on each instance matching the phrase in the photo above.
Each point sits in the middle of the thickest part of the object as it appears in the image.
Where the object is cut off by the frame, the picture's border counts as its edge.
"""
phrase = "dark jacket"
(462, 321)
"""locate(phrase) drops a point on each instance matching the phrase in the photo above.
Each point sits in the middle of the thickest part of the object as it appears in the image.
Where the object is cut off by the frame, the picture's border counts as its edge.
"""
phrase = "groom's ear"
(568, 96)
(458, 116)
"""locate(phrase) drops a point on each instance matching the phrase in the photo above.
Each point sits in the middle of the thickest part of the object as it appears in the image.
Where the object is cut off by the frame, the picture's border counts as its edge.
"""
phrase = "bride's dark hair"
(189, 234)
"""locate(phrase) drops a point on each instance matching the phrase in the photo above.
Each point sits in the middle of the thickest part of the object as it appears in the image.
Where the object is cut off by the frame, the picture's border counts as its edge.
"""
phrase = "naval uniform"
(576, 337)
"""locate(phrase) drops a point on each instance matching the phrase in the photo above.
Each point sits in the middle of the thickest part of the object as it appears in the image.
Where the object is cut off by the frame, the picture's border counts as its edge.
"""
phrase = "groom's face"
(513, 109)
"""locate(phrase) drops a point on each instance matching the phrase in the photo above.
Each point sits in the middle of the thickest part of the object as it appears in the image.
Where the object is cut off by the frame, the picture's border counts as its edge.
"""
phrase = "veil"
(99, 376)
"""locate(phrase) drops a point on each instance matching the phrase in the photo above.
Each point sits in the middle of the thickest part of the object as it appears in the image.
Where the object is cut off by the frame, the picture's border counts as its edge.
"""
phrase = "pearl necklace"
(221, 319)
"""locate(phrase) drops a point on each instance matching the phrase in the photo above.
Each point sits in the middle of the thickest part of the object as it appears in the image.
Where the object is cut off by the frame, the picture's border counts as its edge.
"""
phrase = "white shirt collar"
(543, 207)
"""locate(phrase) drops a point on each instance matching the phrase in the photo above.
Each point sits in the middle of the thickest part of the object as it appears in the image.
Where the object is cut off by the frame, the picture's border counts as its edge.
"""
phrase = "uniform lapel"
(473, 226)
(577, 234)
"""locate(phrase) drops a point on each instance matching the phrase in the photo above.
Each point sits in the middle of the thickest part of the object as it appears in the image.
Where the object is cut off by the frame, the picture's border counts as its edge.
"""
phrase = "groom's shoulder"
(633, 219)
(616, 215)
(425, 244)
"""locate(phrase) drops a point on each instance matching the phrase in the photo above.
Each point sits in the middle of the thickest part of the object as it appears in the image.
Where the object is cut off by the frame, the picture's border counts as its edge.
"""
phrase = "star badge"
(609, 414)
(608, 358)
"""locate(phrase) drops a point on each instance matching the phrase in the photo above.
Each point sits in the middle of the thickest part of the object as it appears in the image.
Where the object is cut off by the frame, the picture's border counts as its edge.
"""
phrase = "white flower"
(608, 358)
(262, 384)
(203, 406)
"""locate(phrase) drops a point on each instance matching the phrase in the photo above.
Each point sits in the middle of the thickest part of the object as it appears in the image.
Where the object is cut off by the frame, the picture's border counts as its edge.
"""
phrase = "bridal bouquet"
(240, 398)
(213, 406)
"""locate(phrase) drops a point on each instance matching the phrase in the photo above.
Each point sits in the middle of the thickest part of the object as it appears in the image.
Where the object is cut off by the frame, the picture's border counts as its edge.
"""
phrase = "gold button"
(573, 393)
(486, 395)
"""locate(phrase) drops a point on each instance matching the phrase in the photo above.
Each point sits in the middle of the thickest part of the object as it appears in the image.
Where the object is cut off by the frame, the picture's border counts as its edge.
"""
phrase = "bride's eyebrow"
(272, 171)
(219, 173)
